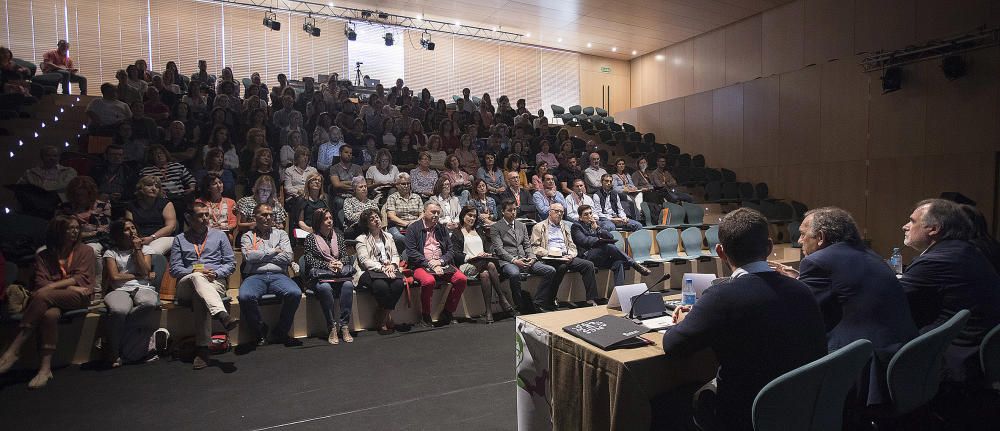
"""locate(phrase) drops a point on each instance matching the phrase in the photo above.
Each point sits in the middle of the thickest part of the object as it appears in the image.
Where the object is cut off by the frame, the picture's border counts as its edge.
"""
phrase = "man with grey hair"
(760, 324)
(402, 208)
(949, 275)
(857, 292)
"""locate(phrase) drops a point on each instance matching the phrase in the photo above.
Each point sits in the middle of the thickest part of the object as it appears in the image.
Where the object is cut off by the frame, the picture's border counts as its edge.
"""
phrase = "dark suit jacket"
(760, 326)
(860, 299)
(510, 242)
(416, 236)
(527, 207)
(950, 276)
(586, 237)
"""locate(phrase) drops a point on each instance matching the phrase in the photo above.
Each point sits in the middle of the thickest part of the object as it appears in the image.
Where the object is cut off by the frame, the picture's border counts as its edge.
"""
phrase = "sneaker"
(161, 338)
(228, 321)
(641, 269)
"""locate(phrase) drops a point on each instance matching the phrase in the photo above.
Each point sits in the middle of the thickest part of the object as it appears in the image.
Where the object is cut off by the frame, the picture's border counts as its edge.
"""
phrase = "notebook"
(609, 332)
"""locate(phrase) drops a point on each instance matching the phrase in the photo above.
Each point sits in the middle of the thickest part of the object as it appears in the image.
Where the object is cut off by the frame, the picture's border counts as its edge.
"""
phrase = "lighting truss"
(374, 16)
(981, 38)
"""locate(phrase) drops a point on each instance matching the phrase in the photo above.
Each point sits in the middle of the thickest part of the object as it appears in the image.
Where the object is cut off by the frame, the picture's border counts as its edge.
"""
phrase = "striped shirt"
(174, 179)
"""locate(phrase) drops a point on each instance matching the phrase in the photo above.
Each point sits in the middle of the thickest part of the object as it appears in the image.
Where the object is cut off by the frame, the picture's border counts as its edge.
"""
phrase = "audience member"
(570, 172)
(757, 310)
(93, 216)
(262, 164)
(466, 154)
(267, 254)
(950, 275)
(114, 177)
(341, 181)
(329, 151)
(355, 205)
(49, 175)
(552, 242)
(541, 169)
(63, 280)
(858, 294)
(178, 143)
(295, 182)
(423, 177)
(594, 173)
(459, 178)
(264, 191)
(595, 243)
(131, 299)
(401, 209)
(577, 199)
(492, 175)
(480, 198)
(610, 210)
(58, 61)
(201, 259)
(313, 198)
(547, 196)
(469, 243)
(221, 210)
(107, 112)
(429, 253)
(666, 184)
(378, 258)
(383, 174)
(545, 155)
(449, 203)
(154, 216)
(330, 270)
(214, 166)
(981, 238)
(521, 196)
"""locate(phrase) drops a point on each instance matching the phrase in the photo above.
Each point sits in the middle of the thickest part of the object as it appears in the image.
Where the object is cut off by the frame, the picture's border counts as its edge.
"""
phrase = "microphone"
(631, 310)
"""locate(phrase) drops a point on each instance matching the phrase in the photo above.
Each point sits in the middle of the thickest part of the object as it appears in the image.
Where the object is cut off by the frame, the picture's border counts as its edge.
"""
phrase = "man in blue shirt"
(201, 259)
(267, 252)
(547, 196)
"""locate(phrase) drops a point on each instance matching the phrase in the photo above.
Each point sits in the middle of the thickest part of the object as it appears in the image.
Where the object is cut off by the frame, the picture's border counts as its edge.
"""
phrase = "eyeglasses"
(556, 211)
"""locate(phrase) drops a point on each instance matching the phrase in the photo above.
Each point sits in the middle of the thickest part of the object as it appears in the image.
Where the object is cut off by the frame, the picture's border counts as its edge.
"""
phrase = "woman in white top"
(450, 206)
(378, 258)
(295, 182)
(468, 244)
(132, 298)
(438, 155)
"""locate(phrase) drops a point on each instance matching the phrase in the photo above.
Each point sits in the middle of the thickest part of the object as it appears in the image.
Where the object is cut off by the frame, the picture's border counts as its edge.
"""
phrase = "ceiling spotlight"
(388, 39)
(310, 26)
(953, 67)
(349, 32)
(270, 21)
(420, 17)
(590, 45)
(366, 14)
(614, 49)
(458, 23)
(425, 41)
(892, 79)
(383, 15)
(559, 40)
(527, 35)
(330, 4)
(634, 52)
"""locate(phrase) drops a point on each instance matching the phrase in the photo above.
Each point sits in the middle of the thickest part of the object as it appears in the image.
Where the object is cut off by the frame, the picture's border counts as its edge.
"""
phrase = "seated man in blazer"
(510, 244)
(950, 275)
(429, 254)
(857, 293)
(521, 196)
(760, 324)
(551, 239)
(596, 244)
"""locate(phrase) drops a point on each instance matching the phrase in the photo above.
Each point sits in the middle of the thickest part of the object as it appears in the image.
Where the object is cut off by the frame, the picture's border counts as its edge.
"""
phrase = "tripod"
(357, 74)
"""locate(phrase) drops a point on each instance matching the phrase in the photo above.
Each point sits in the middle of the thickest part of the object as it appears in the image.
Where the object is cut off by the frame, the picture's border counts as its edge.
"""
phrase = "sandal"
(40, 380)
(347, 334)
(333, 338)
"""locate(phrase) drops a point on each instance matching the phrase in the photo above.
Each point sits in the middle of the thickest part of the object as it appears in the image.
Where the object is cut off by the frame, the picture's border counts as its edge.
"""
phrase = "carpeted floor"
(452, 378)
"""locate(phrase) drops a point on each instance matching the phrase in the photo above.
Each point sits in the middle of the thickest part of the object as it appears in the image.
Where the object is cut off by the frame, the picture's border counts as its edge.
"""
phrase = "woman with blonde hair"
(313, 198)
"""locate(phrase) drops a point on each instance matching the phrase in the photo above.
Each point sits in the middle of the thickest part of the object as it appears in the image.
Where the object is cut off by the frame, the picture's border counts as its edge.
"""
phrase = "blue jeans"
(257, 285)
(609, 256)
(399, 238)
(325, 293)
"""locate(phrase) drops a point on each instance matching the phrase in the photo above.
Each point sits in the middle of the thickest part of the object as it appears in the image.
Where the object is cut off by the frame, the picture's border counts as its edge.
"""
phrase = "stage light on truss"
(271, 21)
(425, 41)
(388, 39)
(892, 79)
(349, 32)
(953, 67)
(310, 26)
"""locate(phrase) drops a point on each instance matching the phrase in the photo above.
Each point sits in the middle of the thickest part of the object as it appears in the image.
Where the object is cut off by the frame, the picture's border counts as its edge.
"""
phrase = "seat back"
(640, 242)
(647, 214)
(575, 110)
(762, 190)
(666, 240)
(695, 213)
(619, 240)
(713, 191)
(159, 266)
(588, 111)
(649, 138)
(712, 238)
(745, 191)
(728, 175)
(628, 127)
(914, 372)
(811, 397)
(673, 149)
(692, 241)
(684, 160)
(989, 356)
(557, 110)
(601, 111)
(698, 161)
(675, 214)
(713, 213)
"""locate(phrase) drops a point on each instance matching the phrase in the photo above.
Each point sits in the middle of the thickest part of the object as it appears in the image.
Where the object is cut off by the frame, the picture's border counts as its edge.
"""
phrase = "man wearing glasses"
(597, 245)
(552, 241)
(402, 208)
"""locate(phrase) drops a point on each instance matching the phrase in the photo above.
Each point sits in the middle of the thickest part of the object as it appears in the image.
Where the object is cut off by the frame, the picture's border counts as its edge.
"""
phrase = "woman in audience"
(469, 242)
(261, 164)
(321, 128)
(484, 203)
(423, 177)
(286, 155)
(622, 182)
(294, 125)
(417, 136)
(365, 156)
(221, 210)
(330, 270)
(64, 280)
(450, 205)
(295, 181)
(565, 151)
(540, 170)
(220, 140)
(176, 181)
(545, 156)
(437, 155)
(491, 174)
(313, 198)
(131, 299)
(459, 179)
(513, 164)
(255, 138)
(196, 101)
(92, 214)
(355, 205)
(260, 120)
(264, 191)
(153, 215)
(213, 165)
(467, 154)
(379, 259)
(329, 151)
(382, 175)
(388, 139)
(450, 140)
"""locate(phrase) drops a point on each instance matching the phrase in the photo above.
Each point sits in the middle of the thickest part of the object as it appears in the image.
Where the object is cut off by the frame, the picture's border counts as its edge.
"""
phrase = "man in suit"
(760, 324)
(521, 196)
(551, 239)
(510, 242)
(596, 244)
(857, 292)
(950, 275)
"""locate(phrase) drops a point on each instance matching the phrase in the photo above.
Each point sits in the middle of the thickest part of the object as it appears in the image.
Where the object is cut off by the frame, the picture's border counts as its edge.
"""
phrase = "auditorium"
(513, 215)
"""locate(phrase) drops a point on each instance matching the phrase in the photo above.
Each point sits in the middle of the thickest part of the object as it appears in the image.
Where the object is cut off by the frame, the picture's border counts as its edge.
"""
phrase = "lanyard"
(256, 240)
(62, 268)
(199, 250)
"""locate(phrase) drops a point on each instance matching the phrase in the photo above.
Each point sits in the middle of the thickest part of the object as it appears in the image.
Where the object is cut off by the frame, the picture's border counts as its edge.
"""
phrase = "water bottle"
(688, 293)
(896, 261)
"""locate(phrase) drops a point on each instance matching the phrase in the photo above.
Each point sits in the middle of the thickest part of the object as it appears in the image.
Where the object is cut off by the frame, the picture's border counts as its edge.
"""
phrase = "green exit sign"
(605, 69)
